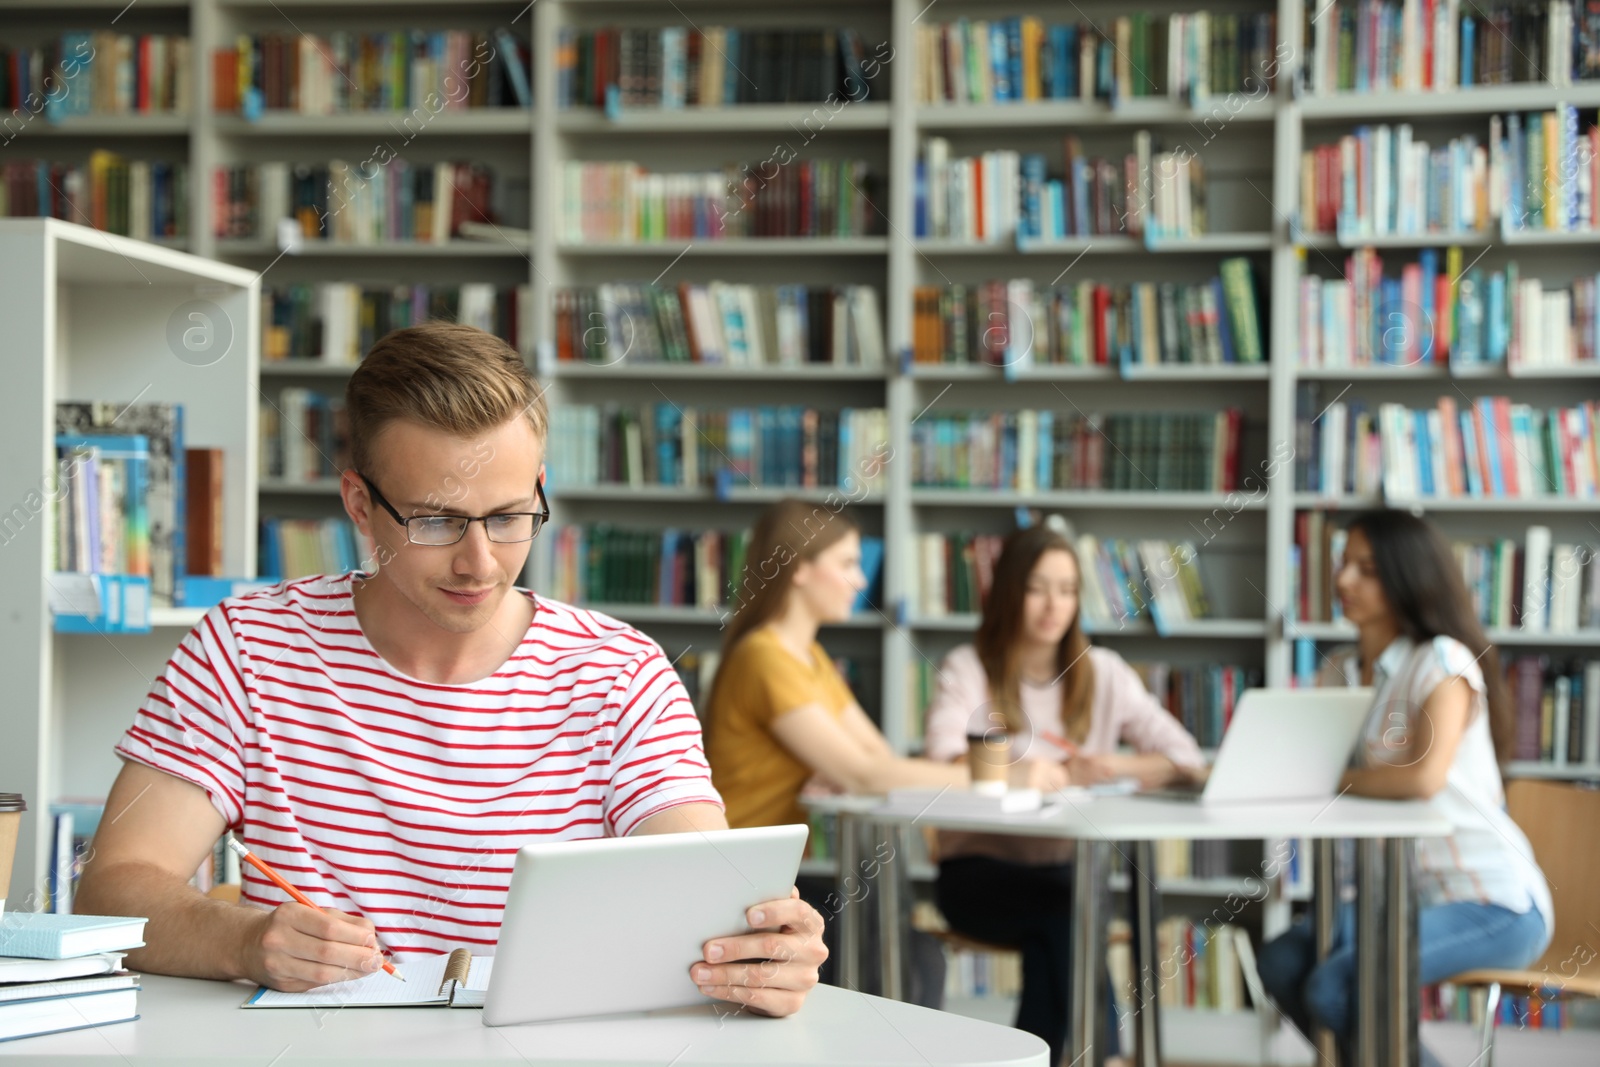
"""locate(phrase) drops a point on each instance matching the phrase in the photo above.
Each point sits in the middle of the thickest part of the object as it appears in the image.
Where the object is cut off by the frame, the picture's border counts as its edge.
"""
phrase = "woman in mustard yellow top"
(779, 715)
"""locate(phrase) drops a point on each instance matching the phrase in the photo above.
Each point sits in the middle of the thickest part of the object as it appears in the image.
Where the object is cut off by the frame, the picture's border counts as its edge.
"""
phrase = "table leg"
(1325, 904)
(891, 911)
(1088, 952)
(847, 886)
(1401, 944)
(1371, 981)
(1146, 914)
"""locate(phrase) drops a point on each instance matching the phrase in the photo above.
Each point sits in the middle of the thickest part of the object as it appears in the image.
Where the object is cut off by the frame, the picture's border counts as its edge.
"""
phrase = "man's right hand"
(294, 948)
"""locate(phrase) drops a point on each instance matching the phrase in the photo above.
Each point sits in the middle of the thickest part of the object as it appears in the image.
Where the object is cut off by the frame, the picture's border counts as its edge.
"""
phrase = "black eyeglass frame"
(539, 518)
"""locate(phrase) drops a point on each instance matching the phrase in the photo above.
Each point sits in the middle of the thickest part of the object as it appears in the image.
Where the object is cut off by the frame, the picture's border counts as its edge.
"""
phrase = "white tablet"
(614, 924)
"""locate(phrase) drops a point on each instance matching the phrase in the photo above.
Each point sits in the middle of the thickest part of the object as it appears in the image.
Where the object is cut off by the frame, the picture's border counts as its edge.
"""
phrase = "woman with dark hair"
(780, 718)
(1440, 715)
(1060, 699)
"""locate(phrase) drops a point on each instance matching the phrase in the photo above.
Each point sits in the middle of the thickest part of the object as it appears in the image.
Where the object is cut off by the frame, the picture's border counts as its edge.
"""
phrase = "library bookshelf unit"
(1251, 145)
(88, 317)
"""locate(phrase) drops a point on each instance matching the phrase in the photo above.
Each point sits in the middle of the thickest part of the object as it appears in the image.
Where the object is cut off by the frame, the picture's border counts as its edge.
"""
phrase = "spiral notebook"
(459, 980)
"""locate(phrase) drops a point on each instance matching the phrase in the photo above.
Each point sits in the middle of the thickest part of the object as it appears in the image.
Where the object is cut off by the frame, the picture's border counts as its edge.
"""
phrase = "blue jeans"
(1451, 938)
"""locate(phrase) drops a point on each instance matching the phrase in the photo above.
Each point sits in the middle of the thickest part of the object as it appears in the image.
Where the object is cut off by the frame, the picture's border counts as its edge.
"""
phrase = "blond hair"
(444, 376)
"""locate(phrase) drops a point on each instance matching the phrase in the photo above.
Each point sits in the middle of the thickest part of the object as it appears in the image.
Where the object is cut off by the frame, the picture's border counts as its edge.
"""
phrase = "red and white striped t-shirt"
(406, 801)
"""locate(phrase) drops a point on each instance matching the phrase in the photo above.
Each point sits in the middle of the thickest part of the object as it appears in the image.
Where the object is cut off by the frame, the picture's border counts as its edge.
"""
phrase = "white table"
(1386, 942)
(186, 1020)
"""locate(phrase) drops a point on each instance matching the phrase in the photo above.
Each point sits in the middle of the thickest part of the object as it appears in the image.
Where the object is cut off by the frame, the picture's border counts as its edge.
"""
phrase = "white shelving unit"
(87, 318)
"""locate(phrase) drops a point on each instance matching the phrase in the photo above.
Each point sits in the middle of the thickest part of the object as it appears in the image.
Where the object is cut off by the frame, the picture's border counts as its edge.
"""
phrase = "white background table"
(189, 1021)
(1387, 1001)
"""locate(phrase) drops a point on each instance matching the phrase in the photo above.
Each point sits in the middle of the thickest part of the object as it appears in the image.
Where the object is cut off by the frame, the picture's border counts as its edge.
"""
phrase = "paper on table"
(378, 990)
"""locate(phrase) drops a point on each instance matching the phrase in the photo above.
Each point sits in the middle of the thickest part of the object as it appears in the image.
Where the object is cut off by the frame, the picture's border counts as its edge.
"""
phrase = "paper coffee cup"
(11, 809)
(989, 761)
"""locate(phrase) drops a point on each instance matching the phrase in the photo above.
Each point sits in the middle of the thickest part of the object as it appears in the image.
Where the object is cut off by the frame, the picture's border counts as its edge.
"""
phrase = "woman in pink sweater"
(1031, 667)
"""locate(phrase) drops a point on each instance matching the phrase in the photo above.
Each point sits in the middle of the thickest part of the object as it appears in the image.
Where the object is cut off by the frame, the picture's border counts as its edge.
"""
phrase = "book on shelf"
(692, 568)
(1016, 324)
(1122, 581)
(145, 199)
(103, 519)
(720, 323)
(696, 669)
(339, 201)
(419, 71)
(668, 444)
(164, 479)
(1483, 448)
(1449, 1002)
(1182, 57)
(1004, 194)
(1364, 46)
(1202, 698)
(305, 436)
(83, 73)
(1030, 450)
(295, 548)
(204, 531)
(1547, 171)
(1383, 180)
(337, 323)
(1556, 707)
(1208, 975)
(621, 201)
(674, 67)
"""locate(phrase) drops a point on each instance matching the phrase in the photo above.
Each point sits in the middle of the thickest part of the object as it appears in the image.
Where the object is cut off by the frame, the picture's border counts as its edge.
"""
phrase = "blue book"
(1059, 60)
(872, 570)
(1046, 449)
(1033, 179)
(999, 61)
(1014, 59)
(1497, 325)
(47, 936)
(1230, 353)
(1497, 485)
(1469, 453)
(1468, 50)
(919, 198)
(1419, 420)
(1428, 260)
(271, 561)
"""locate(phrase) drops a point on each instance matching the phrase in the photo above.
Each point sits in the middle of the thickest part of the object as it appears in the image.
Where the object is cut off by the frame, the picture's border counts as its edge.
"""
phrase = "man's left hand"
(771, 970)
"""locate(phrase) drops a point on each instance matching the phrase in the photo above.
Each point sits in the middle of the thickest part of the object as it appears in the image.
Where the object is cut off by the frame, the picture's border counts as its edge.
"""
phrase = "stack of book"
(295, 548)
(1122, 581)
(1547, 171)
(605, 564)
(1030, 450)
(305, 436)
(799, 198)
(1464, 314)
(336, 323)
(1557, 710)
(124, 510)
(64, 972)
(1380, 45)
(1448, 1002)
(1004, 194)
(420, 71)
(1208, 975)
(1382, 181)
(720, 322)
(1185, 57)
(1490, 447)
(342, 201)
(1202, 698)
(147, 199)
(1015, 324)
(673, 445)
(101, 73)
(713, 66)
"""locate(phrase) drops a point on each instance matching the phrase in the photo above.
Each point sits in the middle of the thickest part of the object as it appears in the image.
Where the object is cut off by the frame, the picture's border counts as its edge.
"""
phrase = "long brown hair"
(1422, 583)
(787, 534)
(999, 643)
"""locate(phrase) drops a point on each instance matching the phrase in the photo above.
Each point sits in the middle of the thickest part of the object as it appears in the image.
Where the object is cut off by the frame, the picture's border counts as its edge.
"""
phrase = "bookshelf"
(87, 316)
(1252, 148)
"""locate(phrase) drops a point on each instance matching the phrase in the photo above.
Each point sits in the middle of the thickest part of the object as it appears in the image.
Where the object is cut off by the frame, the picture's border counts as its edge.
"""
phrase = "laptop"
(1282, 744)
(613, 925)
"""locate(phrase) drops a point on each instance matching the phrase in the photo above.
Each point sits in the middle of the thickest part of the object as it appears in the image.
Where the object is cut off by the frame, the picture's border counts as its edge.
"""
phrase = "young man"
(387, 739)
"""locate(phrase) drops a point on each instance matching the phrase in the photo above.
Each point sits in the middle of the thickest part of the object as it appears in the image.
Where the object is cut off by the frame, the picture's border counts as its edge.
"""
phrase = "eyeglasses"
(506, 527)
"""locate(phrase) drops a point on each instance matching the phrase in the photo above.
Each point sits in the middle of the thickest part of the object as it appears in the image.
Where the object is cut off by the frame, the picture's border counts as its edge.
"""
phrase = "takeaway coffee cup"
(989, 760)
(11, 809)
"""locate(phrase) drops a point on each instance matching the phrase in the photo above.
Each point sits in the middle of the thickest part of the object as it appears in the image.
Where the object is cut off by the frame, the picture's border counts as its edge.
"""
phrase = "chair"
(1553, 815)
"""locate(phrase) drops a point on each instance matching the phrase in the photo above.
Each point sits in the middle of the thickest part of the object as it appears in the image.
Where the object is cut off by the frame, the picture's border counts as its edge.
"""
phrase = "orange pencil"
(278, 880)
(1060, 742)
